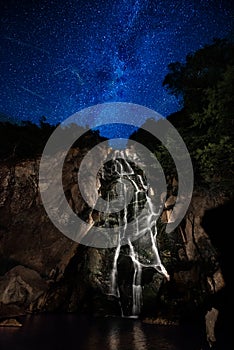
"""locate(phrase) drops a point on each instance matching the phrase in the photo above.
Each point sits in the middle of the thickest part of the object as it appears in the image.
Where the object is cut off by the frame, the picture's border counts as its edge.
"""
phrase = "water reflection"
(139, 339)
(130, 337)
(59, 332)
(114, 339)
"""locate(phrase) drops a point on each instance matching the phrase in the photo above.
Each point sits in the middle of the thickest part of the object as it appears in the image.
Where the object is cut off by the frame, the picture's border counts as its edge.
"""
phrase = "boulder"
(21, 286)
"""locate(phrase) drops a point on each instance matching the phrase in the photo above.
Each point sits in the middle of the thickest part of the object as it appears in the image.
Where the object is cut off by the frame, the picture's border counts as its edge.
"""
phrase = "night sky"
(58, 57)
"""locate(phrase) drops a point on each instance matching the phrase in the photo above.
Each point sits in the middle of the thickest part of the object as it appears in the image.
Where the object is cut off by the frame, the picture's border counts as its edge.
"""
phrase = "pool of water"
(69, 331)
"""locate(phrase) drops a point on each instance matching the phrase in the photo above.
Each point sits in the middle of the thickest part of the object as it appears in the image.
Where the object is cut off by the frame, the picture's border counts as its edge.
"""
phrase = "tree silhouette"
(205, 84)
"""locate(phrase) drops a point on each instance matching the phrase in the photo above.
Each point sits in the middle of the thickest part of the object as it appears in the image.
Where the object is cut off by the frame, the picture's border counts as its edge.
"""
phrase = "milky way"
(58, 57)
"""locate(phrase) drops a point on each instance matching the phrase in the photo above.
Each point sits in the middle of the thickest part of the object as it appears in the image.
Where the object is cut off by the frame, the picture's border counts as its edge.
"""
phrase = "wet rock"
(160, 321)
(151, 290)
(10, 322)
(211, 318)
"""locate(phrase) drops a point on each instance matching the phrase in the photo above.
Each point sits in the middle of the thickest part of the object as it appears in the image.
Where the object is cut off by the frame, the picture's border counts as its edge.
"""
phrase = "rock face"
(42, 270)
(195, 272)
(21, 286)
(27, 236)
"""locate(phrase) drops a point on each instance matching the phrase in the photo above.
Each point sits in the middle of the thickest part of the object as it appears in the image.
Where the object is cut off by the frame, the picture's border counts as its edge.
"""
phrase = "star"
(60, 57)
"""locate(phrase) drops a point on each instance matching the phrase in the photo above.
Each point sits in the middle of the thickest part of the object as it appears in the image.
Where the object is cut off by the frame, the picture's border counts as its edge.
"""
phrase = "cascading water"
(145, 230)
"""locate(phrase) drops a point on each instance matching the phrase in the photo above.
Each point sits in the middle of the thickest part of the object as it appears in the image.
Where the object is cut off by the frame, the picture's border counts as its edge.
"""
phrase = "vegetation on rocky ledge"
(204, 85)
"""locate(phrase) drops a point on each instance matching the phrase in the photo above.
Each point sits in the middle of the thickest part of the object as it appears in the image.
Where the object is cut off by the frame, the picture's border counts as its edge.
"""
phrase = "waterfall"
(136, 285)
(125, 172)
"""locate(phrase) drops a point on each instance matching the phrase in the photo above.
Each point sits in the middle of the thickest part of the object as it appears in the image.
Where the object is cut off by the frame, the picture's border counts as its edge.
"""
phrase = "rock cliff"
(42, 270)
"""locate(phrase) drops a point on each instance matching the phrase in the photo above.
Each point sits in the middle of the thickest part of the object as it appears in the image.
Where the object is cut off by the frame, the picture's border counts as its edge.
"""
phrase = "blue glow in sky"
(58, 57)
